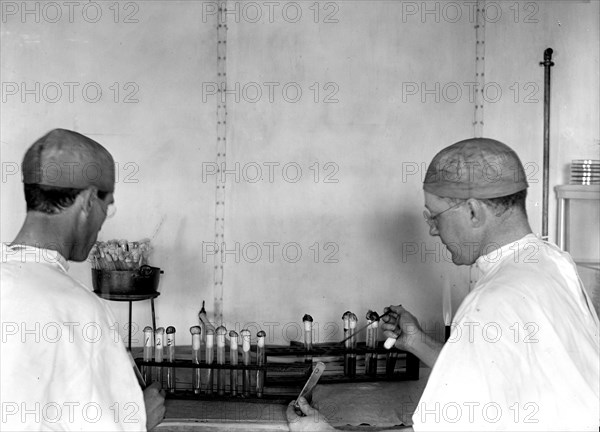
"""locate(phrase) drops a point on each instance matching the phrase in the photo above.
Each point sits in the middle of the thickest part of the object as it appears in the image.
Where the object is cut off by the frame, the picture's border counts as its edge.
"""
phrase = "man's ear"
(86, 199)
(477, 211)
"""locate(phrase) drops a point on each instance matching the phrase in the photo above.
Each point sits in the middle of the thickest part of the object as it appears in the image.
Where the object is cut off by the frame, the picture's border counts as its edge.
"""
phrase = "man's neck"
(505, 232)
(46, 232)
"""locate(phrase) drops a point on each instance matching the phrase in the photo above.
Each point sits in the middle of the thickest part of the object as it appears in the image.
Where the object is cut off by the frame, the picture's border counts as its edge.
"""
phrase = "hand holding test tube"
(391, 327)
(403, 331)
(400, 327)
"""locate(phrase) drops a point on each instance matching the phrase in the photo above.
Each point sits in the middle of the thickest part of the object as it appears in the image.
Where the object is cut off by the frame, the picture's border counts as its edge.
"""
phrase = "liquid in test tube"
(371, 357)
(352, 360)
(159, 338)
(261, 358)
(210, 340)
(245, 334)
(148, 352)
(346, 320)
(221, 332)
(196, 347)
(233, 360)
(171, 359)
(308, 325)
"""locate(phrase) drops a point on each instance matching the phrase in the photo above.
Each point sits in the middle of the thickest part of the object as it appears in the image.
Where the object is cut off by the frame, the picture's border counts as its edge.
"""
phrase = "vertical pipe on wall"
(547, 63)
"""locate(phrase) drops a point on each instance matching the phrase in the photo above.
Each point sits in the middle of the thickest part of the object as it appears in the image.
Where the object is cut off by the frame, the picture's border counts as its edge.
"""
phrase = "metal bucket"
(126, 282)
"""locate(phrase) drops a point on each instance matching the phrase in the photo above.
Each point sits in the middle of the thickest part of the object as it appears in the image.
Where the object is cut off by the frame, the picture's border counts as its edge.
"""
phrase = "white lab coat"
(524, 351)
(63, 365)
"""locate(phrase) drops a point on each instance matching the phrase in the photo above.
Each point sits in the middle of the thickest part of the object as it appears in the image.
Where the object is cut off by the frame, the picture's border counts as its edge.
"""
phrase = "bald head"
(67, 159)
(479, 168)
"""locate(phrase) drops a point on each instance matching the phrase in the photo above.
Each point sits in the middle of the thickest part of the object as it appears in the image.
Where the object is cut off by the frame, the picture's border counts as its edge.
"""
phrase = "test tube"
(210, 340)
(196, 345)
(346, 319)
(148, 348)
(353, 320)
(261, 358)
(221, 332)
(308, 324)
(171, 359)
(159, 338)
(245, 334)
(233, 359)
(371, 342)
(390, 363)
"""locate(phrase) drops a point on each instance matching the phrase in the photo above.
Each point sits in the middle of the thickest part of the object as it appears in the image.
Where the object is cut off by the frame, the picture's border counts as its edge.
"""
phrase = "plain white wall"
(157, 142)
(377, 139)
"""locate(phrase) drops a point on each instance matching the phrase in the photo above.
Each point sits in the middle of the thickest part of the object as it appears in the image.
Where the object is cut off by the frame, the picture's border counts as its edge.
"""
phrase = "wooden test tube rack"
(184, 371)
(404, 367)
(286, 370)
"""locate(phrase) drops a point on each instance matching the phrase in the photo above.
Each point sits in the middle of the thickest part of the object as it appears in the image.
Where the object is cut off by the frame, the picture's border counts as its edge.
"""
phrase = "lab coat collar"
(29, 254)
(514, 250)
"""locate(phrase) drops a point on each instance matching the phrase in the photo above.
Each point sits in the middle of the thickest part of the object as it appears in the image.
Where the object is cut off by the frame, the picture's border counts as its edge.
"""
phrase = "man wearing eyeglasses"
(524, 349)
(63, 366)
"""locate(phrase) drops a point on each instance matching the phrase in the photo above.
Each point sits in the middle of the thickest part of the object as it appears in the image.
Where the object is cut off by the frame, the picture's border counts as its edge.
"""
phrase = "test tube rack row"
(362, 363)
(281, 376)
(261, 372)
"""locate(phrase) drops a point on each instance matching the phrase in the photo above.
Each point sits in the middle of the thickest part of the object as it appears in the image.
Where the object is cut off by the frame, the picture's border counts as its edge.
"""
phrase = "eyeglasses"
(110, 211)
(432, 219)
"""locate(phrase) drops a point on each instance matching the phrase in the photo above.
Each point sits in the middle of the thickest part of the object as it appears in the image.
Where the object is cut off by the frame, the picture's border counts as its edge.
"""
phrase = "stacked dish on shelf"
(585, 172)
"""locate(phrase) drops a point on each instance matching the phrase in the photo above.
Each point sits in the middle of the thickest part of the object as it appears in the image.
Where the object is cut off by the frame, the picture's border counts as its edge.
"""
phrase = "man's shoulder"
(42, 283)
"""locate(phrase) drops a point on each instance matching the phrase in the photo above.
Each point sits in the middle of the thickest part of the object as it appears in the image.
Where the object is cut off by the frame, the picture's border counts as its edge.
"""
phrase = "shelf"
(587, 192)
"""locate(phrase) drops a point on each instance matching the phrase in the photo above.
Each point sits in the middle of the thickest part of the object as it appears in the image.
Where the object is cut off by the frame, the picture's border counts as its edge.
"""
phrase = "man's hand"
(402, 325)
(312, 420)
(154, 400)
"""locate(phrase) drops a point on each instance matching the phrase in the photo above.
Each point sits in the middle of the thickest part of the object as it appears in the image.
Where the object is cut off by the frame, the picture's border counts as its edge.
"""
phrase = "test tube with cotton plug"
(233, 360)
(210, 341)
(159, 342)
(346, 320)
(353, 321)
(261, 358)
(371, 343)
(148, 351)
(245, 334)
(196, 346)
(221, 332)
(308, 327)
(171, 359)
